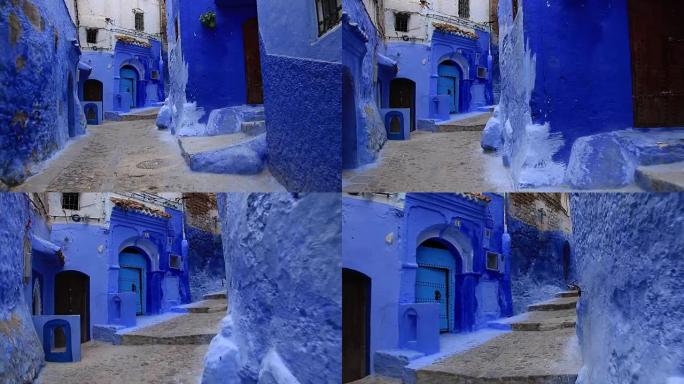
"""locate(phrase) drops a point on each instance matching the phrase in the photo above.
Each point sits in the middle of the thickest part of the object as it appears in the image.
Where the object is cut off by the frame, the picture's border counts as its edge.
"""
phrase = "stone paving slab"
(431, 162)
(473, 123)
(133, 157)
(514, 358)
(662, 177)
(538, 321)
(206, 306)
(556, 304)
(192, 328)
(375, 379)
(103, 363)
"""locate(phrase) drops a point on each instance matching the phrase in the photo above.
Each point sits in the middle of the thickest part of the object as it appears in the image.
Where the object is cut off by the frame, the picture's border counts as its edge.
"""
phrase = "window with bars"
(329, 13)
(401, 21)
(91, 35)
(464, 8)
(70, 201)
(139, 21)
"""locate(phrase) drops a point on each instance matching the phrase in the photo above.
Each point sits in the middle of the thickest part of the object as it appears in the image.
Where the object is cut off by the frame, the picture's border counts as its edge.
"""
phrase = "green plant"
(208, 19)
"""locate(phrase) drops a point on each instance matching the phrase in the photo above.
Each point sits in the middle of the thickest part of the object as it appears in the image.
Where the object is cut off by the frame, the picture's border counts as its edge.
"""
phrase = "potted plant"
(208, 19)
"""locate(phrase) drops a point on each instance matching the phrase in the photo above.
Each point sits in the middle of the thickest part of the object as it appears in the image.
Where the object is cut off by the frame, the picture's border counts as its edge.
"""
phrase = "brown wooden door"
(250, 36)
(403, 95)
(657, 42)
(72, 298)
(355, 325)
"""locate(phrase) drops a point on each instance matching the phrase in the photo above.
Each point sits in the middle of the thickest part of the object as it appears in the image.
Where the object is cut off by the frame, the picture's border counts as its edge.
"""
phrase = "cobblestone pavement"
(432, 162)
(133, 156)
(103, 363)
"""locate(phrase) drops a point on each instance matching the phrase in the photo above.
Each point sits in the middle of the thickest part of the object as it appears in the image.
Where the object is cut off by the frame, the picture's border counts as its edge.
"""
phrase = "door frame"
(447, 286)
(357, 277)
(85, 315)
(395, 86)
(254, 83)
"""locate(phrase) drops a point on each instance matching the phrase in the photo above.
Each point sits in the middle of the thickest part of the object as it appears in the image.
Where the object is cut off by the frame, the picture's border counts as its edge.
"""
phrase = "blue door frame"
(128, 83)
(435, 279)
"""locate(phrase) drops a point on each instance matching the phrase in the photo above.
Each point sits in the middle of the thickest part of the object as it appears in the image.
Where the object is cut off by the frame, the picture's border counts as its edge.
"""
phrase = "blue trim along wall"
(38, 61)
(302, 76)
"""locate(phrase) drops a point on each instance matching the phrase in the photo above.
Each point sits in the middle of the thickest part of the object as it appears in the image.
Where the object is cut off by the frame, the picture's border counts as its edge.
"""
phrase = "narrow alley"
(134, 156)
(449, 159)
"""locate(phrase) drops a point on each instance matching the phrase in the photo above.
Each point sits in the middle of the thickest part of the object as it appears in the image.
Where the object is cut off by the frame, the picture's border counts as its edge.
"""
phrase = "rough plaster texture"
(21, 353)
(303, 120)
(38, 59)
(207, 272)
(282, 256)
(631, 312)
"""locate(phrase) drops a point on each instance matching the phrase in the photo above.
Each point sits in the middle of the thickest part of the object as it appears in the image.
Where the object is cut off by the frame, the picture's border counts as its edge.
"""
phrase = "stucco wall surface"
(282, 256)
(21, 354)
(629, 251)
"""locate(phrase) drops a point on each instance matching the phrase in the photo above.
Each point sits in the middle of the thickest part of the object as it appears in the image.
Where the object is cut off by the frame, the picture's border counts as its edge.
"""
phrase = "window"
(91, 35)
(492, 261)
(401, 21)
(70, 201)
(329, 13)
(139, 21)
(482, 72)
(154, 75)
(464, 8)
(175, 262)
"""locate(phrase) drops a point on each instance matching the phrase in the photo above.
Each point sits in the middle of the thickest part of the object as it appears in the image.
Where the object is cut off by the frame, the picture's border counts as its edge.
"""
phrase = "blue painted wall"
(630, 316)
(565, 65)
(366, 93)
(215, 58)
(206, 267)
(39, 57)
(302, 77)
(286, 249)
(20, 350)
(372, 240)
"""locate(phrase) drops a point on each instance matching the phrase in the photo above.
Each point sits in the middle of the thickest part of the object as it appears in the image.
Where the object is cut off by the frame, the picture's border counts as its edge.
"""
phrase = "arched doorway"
(349, 138)
(566, 261)
(449, 83)
(356, 304)
(92, 94)
(403, 95)
(72, 297)
(250, 39)
(71, 114)
(436, 280)
(128, 83)
(133, 276)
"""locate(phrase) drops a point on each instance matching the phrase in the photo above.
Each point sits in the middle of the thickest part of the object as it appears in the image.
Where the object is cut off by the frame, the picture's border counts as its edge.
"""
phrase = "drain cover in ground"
(151, 164)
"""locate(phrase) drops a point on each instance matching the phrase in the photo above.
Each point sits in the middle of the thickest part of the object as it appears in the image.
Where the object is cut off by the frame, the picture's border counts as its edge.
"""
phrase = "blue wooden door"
(128, 84)
(132, 278)
(432, 287)
(448, 84)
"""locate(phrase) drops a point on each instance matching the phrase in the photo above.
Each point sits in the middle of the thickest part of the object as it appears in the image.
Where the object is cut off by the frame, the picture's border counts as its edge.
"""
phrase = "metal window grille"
(401, 21)
(139, 21)
(329, 13)
(464, 8)
(70, 201)
(91, 35)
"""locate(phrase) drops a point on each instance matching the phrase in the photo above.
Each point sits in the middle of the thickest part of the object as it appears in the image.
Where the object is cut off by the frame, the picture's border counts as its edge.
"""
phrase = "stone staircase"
(198, 325)
(542, 349)
(149, 113)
